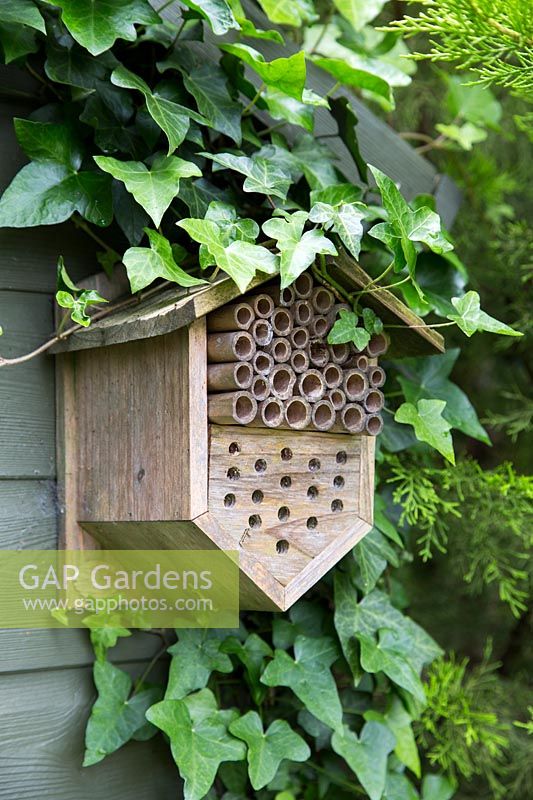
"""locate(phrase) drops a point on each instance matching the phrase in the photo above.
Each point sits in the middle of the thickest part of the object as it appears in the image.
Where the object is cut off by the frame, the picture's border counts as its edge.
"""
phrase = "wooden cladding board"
(141, 420)
(285, 497)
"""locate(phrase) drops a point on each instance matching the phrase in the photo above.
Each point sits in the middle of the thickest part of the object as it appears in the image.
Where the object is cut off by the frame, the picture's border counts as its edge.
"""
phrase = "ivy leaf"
(347, 120)
(337, 195)
(289, 12)
(199, 739)
(285, 74)
(262, 175)
(252, 654)
(359, 12)
(282, 106)
(155, 188)
(22, 12)
(114, 718)
(208, 86)
(344, 618)
(399, 721)
(346, 329)
(16, 41)
(267, 749)
(298, 250)
(240, 259)
(47, 141)
(429, 425)
(309, 677)
(464, 135)
(316, 162)
(405, 226)
(104, 637)
(217, 12)
(76, 300)
(399, 787)
(358, 78)
(437, 787)
(367, 755)
(385, 656)
(345, 220)
(371, 555)
(427, 378)
(144, 264)
(470, 318)
(171, 117)
(129, 215)
(98, 24)
(373, 324)
(196, 654)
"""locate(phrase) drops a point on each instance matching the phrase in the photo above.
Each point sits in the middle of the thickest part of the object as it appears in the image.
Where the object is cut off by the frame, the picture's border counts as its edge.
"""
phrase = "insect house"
(210, 419)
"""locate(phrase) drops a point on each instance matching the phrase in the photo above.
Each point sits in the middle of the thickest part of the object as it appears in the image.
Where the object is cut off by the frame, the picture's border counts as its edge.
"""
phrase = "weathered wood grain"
(26, 391)
(43, 717)
(27, 515)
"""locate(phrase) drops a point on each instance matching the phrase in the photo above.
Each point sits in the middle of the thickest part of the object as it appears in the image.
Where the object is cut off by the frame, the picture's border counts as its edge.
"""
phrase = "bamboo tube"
(374, 401)
(262, 304)
(303, 312)
(378, 345)
(323, 415)
(322, 300)
(231, 407)
(334, 312)
(339, 353)
(353, 418)
(376, 376)
(303, 286)
(373, 424)
(270, 413)
(319, 327)
(312, 385)
(297, 413)
(262, 332)
(225, 377)
(281, 321)
(318, 354)
(355, 384)
(282, 297)
(280, 349)
(235, 346)
(299, 361)
(361, 362)
(299, 338)
(337, 398)
(238, 316)
(262, 363)
(260, 387)
(333, 375)
(282, 380)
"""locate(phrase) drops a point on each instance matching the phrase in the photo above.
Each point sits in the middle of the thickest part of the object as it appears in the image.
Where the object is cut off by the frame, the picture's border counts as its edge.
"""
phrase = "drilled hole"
(257, 496)
(286, 454)
(314, 465)
(286, 482)
(233, 474)
(234, 448)
(260, 465)
(255, 521)
(337, 505)
(312, 492)
(229, 500)
(338, 482)
(282, 546)
(283, 514)
(312, 523)
(341, 457)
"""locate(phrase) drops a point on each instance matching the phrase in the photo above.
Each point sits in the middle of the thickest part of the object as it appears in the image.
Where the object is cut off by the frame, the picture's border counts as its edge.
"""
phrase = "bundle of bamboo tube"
(269, 364)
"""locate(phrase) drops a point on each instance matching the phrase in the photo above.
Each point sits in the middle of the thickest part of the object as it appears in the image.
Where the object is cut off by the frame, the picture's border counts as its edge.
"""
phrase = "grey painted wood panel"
(43, 717)
(25, 650)
(27, 515)
(27, 405)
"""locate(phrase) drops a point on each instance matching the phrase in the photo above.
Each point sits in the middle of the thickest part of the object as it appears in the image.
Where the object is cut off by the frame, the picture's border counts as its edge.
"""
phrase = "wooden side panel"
(41, 745)
(142, 429)
(27, 515)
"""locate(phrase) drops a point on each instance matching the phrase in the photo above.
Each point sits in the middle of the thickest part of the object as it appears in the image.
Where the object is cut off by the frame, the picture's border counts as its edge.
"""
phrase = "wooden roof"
(174, 308)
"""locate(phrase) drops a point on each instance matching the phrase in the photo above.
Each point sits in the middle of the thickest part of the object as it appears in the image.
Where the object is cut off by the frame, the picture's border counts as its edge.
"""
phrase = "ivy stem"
(335, 780)
(333, 89)
(139, 682)
(42, 80)
(436, 325)
(80, 223)
(254, 100)
(368, 287)
(388, 286)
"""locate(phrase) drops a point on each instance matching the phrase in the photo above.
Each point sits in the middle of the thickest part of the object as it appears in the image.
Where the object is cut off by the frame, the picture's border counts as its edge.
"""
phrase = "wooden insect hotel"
(204, 419)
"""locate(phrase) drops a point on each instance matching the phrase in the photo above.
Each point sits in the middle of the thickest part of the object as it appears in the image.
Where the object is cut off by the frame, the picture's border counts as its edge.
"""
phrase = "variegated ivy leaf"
(144, 264)
(346, 329)
(285, 74)
(218, 14)
(75, 300)
(289, 12)
(263, 175)
(358, 78)
(346, 220)
(232, 227)
(297, 249)
(429, 425)
(154, 188)
(470, 318)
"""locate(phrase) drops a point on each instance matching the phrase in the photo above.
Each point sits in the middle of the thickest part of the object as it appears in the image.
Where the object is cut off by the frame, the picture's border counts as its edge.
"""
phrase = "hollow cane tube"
(234, 346)
(297, 412)
(229, 408)
(238, 316)
(226, 377)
